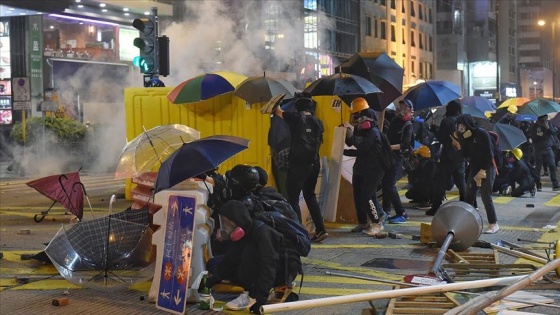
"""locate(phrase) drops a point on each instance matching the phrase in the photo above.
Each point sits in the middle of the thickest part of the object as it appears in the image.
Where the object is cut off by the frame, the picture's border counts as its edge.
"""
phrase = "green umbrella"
(539, 107)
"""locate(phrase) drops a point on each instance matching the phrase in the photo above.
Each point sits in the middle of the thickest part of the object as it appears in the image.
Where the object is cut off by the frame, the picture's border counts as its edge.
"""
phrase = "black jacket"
(446, 129)
(365, 142)
(478, 147)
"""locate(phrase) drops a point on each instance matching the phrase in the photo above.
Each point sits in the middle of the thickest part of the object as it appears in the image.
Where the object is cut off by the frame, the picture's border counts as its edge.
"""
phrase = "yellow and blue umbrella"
(205, 86)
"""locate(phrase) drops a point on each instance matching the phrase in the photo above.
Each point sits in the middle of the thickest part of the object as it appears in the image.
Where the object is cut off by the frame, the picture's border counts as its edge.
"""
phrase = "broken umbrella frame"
(56, 188)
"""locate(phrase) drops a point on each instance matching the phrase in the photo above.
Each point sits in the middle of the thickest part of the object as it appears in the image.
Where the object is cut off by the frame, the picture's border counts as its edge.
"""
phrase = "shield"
(151, 148)
(197, 157)
(66, 189)
(342, 84)
(539, 107)
(515, 101)
(205, 86)
(261, 89)
(432, 94)
(510, 136)
(480, 103)
(103, 253)
(382, 71)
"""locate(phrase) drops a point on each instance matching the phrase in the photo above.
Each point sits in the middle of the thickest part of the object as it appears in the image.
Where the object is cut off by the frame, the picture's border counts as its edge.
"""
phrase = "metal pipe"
(442, 251)
(362, 297)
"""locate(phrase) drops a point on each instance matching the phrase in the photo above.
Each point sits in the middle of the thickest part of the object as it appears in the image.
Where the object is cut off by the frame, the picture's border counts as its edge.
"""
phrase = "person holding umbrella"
(542, 134)
(304, 166)
(476, 145)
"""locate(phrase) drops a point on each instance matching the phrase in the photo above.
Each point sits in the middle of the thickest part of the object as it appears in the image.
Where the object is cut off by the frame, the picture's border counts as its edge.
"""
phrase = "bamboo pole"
(519, 254)
(475, 305)
(369, 296)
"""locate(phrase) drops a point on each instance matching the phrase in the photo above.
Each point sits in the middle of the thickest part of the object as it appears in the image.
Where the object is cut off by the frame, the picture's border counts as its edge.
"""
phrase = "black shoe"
(545, 174)
(431, 212)
(533, 192)
(539, 187)
(319, 236)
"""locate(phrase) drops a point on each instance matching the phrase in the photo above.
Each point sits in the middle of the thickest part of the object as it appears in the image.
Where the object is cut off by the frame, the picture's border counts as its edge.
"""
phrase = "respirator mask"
(229, 230)
(463, 131)
(361, 122)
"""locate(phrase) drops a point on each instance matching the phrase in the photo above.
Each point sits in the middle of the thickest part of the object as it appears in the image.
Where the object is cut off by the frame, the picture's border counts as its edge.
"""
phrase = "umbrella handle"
(64, 189)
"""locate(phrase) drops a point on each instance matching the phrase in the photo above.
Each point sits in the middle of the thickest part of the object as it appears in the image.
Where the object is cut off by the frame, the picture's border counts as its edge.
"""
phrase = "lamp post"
(553, 54)
(535, 89)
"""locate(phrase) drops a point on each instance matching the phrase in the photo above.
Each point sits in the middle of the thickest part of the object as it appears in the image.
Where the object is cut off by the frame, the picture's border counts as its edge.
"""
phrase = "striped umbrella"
(205, 86)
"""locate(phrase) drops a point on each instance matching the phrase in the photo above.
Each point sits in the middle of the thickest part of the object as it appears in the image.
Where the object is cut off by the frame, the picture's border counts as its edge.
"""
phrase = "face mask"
(229, 231)
(366, 125)
(462, 130)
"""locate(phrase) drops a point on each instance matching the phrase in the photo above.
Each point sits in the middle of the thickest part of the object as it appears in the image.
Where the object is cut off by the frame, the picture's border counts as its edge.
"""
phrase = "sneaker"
(507, 191)
(492, 229)
(320, 236)
(424, 206)
(375, 229)
(398, 219)
(383, 217)
(431, 212)
(533, 192)
(359, 228)
(242, 302)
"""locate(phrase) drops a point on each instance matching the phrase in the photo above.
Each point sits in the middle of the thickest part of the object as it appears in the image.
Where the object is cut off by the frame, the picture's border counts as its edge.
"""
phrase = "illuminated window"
(310, 5)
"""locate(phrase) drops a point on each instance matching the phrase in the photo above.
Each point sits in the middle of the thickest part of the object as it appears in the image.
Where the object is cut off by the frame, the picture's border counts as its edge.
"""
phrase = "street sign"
(21, 90)
(22, 105)
(49, 106)
(176, 259)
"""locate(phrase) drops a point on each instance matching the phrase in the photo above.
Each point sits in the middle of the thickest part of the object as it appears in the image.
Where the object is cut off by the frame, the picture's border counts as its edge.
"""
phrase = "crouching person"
(257, 260)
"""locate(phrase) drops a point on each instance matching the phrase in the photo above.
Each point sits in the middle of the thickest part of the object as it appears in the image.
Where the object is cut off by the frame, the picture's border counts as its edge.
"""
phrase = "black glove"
(350, 152)
(255, 308)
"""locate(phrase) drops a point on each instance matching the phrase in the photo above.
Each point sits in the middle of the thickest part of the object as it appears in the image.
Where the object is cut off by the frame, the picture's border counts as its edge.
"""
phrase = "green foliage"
(65, 130)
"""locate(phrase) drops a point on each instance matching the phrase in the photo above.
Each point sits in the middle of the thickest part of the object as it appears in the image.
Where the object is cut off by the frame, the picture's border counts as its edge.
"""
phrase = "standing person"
(542, 133)
(279, 140)
(451, 163)
(400, 137)
(476, 145)
(303, 171)
(367, 171)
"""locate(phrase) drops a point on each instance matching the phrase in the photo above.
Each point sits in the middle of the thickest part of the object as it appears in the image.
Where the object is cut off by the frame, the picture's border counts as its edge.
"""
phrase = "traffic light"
(147, 42)
(163, 55)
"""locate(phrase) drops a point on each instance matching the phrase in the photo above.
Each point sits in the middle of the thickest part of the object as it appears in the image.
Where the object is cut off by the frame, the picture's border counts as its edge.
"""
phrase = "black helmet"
(242, 178)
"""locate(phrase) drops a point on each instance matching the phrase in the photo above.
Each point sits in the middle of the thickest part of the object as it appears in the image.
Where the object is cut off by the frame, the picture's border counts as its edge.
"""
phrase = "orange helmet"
(423, 151)
(358, 105)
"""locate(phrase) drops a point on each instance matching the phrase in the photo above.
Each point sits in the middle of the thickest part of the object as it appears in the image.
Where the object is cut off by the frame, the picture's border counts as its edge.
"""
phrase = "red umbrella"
(65, 188)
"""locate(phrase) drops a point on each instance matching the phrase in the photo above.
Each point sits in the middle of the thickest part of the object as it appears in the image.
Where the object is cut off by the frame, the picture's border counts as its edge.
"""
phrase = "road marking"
(554, 202)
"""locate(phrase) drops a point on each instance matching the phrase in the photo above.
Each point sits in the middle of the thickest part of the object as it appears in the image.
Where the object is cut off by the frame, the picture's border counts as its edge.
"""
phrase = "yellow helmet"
(517, 153)
(423, 151)
(358, 105)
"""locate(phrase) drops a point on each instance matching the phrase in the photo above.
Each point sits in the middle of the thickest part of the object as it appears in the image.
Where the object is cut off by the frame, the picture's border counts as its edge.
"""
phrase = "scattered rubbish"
(142, 298)
(549, 226)
(25, 231)
(22, 280)
(60, 302)
(381, 235)
(218, 309)
(397, 263)
(530, 205)
(535, 230)
(66, 292)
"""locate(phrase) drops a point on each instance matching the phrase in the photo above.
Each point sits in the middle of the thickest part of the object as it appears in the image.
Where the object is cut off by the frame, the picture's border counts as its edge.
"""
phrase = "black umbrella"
(197, 157)
(341, 84)
(510, 136)
(381, 70)
(261, 89)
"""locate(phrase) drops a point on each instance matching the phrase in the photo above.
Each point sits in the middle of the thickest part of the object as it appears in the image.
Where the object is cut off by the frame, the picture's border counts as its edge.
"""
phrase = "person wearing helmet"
(476, 145)
(242, 180)
(367, 172)
(519, 174)
(422, 177)
(451, 164)
(303, 160)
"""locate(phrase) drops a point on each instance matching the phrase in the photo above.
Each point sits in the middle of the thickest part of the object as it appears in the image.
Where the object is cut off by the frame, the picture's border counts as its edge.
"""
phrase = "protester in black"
(367, 171)
(520, 174)
(451, 163)
(542, 133)
(257, 260)
(476, 145)
(304, 167)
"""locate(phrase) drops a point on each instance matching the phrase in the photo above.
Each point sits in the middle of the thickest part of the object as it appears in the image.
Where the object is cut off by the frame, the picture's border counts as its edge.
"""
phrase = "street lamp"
(535, 89)
(542, 23)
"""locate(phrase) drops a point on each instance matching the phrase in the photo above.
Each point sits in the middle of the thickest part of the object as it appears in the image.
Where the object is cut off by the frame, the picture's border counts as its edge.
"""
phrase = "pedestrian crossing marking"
(502, 199)
(554, 202)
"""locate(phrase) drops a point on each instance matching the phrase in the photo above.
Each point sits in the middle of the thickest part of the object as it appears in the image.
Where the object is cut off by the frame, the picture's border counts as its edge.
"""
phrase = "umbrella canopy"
(510, 136)
(438, 115)
(539, 107)
(556, 120)
(515, 101)
(205, 86)
(62, 188)
(382, 71)
(103, 253)
(432, 93)
(256, 90)
(151, 148)
(480, 103)
(197, 157)
(342, 84)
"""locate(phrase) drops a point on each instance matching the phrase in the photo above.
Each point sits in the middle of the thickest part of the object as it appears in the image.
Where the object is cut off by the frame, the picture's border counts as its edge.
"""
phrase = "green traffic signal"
(146, 42)
(146, 64)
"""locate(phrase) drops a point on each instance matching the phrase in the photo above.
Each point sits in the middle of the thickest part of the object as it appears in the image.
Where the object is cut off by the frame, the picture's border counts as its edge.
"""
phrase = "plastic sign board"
(176, 258)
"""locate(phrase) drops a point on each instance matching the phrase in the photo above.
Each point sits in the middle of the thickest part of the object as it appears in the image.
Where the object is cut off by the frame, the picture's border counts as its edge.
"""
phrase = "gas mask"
(229, 230)
(361, 122)
(463, 131)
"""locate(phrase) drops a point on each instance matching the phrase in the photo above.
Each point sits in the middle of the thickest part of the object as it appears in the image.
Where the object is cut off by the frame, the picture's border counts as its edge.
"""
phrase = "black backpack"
(307, 137)
(295, 235)
(386, 155)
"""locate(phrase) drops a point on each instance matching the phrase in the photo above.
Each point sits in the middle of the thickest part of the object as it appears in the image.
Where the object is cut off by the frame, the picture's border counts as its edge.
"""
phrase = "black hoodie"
(477, 147)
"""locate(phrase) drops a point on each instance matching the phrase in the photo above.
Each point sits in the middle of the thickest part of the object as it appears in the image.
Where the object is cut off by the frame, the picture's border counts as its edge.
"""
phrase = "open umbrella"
(151, 148)
(432, 93)
(341, 84)
(205, 86)
(515, 101)
(382, 71)
(197, 157)
(480, 103)
(261, 89)
(539, 107)
(510, 136)
(67, 189)
(103, 253)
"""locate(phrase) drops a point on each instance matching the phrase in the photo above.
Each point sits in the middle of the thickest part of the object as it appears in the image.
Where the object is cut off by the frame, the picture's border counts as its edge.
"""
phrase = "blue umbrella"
(510, 136)
(197, 157)
(432, 93)
(481, 103)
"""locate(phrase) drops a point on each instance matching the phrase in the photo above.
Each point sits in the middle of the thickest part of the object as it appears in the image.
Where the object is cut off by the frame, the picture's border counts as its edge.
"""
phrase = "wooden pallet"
(471, 258)
(435, 303)
(476, 271)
